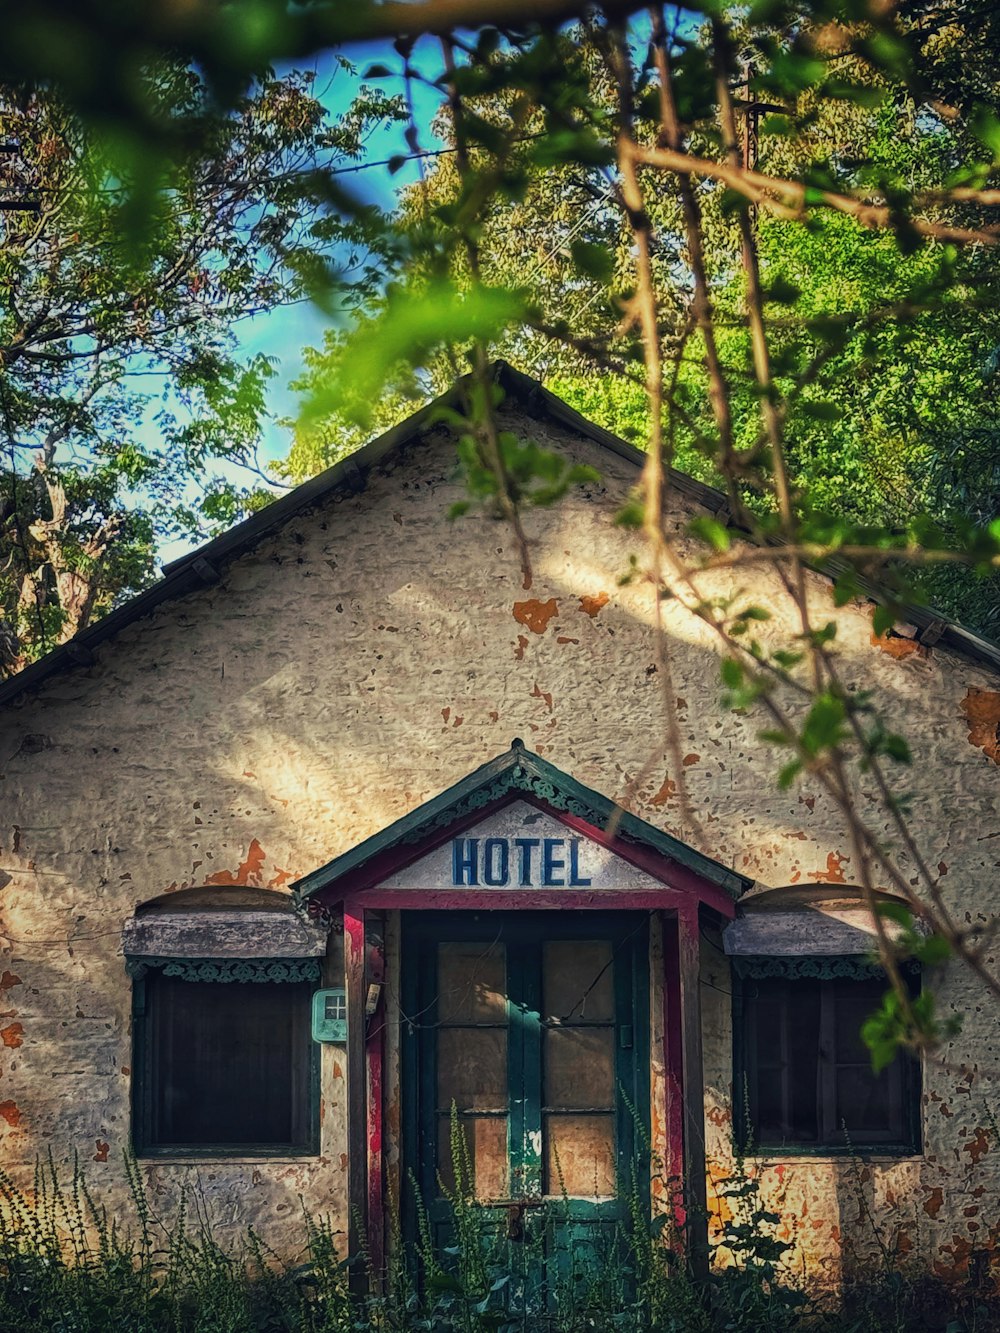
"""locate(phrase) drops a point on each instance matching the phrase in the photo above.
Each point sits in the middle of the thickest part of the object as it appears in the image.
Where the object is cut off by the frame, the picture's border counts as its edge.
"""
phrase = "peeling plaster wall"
(363, 660)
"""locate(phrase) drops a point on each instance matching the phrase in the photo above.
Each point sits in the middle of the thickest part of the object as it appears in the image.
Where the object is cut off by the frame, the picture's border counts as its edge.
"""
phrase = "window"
(224, 1067)
(807, 1075)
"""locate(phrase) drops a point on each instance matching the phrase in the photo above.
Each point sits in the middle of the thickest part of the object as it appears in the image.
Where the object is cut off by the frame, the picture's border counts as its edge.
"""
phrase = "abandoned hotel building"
(312, 841)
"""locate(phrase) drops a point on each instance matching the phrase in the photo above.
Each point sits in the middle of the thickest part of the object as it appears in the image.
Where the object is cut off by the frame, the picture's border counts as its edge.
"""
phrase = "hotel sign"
(520, 849)
(523, 862)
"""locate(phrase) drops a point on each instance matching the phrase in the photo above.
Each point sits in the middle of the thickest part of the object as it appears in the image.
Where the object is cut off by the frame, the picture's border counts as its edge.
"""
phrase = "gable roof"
(350, 476)
(516, 772)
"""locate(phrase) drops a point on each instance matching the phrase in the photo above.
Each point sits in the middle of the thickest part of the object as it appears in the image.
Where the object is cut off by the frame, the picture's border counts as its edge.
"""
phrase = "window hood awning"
(223, 934)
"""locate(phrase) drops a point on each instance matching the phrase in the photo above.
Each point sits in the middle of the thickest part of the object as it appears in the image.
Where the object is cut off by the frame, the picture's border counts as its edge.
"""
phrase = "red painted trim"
(375, 1055)
(357, 1078)
(670, 873)
(673, 1064)
(527, 900)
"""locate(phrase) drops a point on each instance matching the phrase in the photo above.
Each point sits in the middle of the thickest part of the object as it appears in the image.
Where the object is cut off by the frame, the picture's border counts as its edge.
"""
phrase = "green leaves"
(412, 325)
(824, 726)
(710, 530)
(593, 260)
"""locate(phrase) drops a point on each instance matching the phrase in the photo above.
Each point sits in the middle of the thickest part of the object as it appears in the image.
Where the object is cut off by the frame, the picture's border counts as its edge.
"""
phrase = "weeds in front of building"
(66, 1266)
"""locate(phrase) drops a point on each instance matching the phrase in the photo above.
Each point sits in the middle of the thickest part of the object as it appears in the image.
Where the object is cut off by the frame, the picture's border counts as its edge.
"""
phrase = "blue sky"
(284, 333)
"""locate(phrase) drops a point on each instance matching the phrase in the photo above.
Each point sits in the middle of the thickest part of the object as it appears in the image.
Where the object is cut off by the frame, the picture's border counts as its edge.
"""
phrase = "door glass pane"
(579, 1065)
(580, 1155)
(480, 1152)
(578, 980)
(472, 1069)
(471, 982)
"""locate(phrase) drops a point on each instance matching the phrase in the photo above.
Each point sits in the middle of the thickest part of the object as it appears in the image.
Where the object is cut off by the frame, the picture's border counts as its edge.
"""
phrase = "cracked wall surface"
(361, 661)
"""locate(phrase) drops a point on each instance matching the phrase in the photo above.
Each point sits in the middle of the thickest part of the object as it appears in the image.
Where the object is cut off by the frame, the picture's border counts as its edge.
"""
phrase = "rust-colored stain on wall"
(102, 1150)
(537, 693)
(8, 980)
(10, 1112)
(535, 615)
(897, 645)
(249, 871)
(977, 1145)
(11, 1035)
(666, 792)
(834, 872)
(932, 1204)
(591, 606)
(982, 712)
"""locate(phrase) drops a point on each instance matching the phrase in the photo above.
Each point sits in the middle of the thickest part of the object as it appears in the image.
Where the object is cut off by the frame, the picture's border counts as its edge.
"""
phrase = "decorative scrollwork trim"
(857, 967)
(228, 969)
(515, 779)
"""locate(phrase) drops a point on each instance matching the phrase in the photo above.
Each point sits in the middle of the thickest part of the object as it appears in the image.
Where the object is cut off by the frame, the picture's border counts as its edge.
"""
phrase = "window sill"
(220, 1156)
(872, 1152)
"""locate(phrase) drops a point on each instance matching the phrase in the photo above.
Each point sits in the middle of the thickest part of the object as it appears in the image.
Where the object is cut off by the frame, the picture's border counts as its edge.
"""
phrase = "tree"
(663, 107)
(93, 309)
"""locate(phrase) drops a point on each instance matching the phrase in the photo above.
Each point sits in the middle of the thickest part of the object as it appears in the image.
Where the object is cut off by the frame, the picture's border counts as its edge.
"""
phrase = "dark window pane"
(853, 1003)
(809, 1073)
(863, 1102)
(803, 1027)
(785, 1025)
(228, 1063)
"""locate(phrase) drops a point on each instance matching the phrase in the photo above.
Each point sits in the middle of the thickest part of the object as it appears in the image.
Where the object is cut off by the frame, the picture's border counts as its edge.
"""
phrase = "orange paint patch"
(279, 879)
(562, 638)
(248, 874)
(982, 713)
(834, 872)
(522, 643)
(9, 980)
(666, 792)
(10, 1112)
(897, 646)
(11, 1035)
(535, 615)
(592, 606)
(102, 1150)
(690, 759)
(536, 693)
(932, 1204)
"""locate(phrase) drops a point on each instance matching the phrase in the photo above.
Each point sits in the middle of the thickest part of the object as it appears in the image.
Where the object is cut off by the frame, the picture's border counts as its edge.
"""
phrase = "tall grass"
(68, 1266)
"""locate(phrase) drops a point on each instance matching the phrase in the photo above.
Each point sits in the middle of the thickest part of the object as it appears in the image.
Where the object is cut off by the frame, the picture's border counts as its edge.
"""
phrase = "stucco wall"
(364, 660)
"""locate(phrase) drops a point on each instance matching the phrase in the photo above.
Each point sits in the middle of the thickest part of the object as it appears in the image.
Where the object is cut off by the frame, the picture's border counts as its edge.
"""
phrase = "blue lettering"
(496, 868)
(524, 848)
(463, 862)
(575, 879)
(550, 864)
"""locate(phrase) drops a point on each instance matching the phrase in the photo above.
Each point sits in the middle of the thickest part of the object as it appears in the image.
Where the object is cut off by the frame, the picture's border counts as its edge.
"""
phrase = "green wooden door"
(526, 1068)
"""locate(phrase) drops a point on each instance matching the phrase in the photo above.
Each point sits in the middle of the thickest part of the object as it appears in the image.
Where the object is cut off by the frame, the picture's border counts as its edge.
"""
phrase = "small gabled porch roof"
(518, 772)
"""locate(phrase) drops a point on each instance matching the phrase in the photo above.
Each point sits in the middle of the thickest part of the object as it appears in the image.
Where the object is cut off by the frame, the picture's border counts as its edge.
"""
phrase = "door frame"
(375, 1125)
